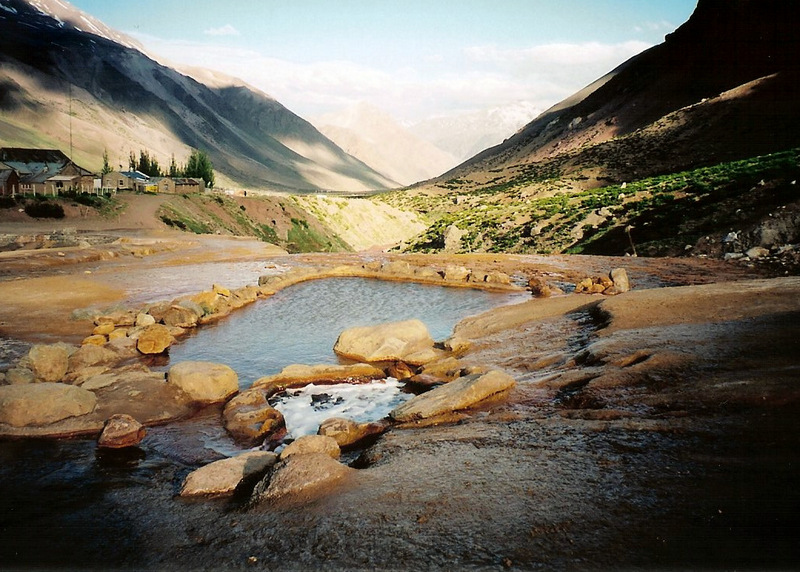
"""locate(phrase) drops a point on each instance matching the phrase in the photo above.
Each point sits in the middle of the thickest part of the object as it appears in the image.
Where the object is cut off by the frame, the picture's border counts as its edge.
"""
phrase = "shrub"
(44, 210)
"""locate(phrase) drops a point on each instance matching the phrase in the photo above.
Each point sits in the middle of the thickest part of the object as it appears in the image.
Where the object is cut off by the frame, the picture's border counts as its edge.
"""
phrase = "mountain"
(68, 81)
(466, 135)
(722, 86)
(378, 140)
(692, 143)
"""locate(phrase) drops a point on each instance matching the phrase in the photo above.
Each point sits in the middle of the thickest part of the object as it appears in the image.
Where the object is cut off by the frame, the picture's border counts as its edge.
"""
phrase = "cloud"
(481, 77)
(226, 30)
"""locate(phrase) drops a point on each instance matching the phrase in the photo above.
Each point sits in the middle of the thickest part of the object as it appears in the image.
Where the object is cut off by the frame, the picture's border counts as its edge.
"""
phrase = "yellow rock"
(95, 340)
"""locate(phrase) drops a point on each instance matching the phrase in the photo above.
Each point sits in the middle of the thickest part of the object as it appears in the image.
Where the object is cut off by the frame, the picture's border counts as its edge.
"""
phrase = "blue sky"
(412, 58)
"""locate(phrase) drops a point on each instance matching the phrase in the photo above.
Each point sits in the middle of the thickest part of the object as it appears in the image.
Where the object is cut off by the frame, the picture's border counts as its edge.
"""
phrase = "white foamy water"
(304, 409)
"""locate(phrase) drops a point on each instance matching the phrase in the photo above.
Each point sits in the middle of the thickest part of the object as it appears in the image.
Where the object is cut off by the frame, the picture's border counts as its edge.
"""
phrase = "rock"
(43, 403)
(193, 306)
(118, 334)
(154, 339)
(497, 277)
(397, 267)
(347, 433)
(386, 342)
(220, 290)
(400, 370)
(116, 318)
(454, 273)
(309, 444)
(104, 329)
(49, 362)
(619, 277)
(757, 252)
(301, 475)
(204, 382)
(179, 316)
(143, 320)
(121, 431)
(446, 369)
(452, 238)
(19, 375)
(251, 420)
(462, 393)
(222, 477)
(91, 355)
(94, 340)
(298, 375)
(427, 273)
(539, 287)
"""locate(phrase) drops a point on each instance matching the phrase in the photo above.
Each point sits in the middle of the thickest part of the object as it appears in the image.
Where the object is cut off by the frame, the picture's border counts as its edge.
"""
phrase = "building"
(126, 181)
(9, 181)
(46, 171)
(180, 185)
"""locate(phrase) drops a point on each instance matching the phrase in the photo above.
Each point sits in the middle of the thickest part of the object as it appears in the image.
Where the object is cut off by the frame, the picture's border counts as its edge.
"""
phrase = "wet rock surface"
(645, 430)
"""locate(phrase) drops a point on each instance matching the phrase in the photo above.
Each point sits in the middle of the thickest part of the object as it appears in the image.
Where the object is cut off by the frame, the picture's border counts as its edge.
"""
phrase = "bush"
(44, 210)
(8, 202)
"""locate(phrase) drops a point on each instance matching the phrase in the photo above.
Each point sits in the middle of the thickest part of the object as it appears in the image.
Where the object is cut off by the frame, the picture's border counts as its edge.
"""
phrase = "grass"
(499, 218)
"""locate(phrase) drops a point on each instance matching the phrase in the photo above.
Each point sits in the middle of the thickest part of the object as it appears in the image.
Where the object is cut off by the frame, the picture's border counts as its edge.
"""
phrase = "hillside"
(722, 88)
(379, 141)
(63, 87)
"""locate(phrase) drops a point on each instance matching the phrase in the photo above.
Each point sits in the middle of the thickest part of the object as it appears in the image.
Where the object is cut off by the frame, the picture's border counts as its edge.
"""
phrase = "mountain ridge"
(253, 140)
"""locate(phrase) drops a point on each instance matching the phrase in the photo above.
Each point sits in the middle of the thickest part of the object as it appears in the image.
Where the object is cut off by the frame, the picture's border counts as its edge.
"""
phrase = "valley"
(578, 336)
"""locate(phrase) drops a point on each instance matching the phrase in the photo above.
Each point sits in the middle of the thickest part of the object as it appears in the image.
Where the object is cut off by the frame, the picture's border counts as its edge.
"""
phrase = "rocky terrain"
(650, 428)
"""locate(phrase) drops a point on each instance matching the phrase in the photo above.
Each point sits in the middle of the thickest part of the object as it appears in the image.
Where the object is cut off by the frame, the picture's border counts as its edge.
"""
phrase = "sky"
(413, 59)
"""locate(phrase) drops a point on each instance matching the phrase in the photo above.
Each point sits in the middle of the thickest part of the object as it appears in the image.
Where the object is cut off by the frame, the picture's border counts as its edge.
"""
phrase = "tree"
(147, 165)
(199, 166)
(106, 167)
(132, 161)
(174, 170)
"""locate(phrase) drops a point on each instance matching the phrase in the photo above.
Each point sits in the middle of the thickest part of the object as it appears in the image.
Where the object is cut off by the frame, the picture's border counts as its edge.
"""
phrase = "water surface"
(301, 324)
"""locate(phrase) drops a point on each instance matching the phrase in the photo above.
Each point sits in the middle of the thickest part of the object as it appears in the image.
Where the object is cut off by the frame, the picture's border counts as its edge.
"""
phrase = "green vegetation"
(303, 238)
(44, 209)
(665, 211)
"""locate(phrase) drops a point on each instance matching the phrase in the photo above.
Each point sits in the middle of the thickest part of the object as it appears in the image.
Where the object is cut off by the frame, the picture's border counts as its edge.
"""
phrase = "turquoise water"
(301, 324)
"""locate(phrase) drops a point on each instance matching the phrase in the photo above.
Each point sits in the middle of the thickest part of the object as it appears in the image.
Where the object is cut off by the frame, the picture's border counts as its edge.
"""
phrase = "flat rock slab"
(222, 477)
(298, 375)
(394, 341)
(457, 395)
(38, 404)
(141, 394)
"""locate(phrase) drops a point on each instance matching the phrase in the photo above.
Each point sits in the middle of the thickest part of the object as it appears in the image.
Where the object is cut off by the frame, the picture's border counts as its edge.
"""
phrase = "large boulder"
(301, 476)
(394, 341)
(309, 444)
(91, 355)
(251, 420)
(204, 382)
(180, 316)
(154, 339)
(120, 431)
(457, 395)
(222, 477)
(43, 403)
(49, 362)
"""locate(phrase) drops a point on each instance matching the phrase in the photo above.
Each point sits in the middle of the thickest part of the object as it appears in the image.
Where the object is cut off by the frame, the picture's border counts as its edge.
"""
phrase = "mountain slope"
(379, 141)
(724, 45)
(679, 147)
(54, 73)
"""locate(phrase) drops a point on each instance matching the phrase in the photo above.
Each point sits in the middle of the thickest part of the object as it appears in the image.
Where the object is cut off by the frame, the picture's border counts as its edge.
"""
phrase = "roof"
(5, 174)
(37, 165)
(135, 175)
